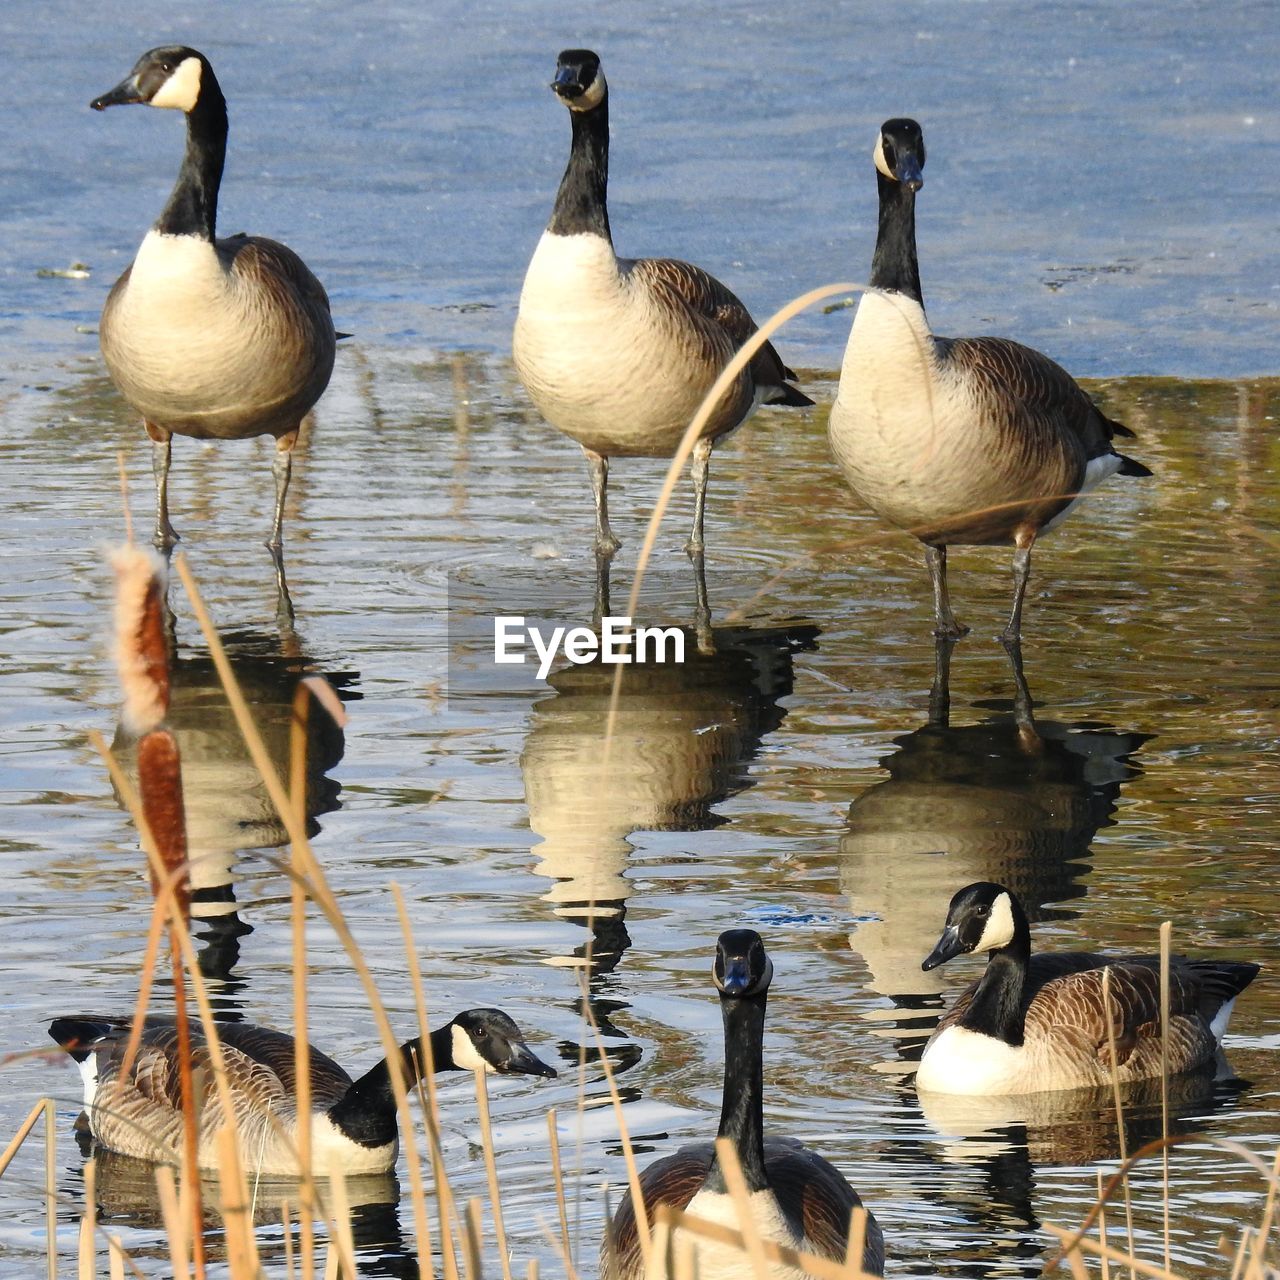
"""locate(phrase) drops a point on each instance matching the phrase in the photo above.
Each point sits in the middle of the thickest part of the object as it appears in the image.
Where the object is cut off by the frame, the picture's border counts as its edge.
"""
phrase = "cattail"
(142, 654)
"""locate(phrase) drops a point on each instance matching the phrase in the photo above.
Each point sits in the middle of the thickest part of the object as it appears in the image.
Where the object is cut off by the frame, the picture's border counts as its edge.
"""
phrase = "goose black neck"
(367, 1115)
(581, 201)
(894, 265)
(742, 1112)
(193, 206)
(996, 1008)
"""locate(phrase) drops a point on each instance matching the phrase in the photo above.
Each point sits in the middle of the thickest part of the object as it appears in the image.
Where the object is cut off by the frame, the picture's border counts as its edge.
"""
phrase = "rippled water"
(801, 780)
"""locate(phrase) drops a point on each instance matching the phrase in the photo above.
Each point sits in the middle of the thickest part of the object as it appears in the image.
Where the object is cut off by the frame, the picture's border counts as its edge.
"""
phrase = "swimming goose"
(355, 1121)
(1037, 1022)
(214, 339)
(799, 1200)
(619, 352)
(960, 441)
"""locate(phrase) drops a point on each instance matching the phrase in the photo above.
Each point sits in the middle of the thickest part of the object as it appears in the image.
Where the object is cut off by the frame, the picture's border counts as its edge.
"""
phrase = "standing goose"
(354, 1121)
(619, 352)
(214, 339)
(798, 1199)
(1037, 1022)
(960, 441)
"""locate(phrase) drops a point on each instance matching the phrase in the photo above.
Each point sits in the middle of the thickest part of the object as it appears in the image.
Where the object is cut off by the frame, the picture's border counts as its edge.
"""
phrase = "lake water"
(1101, 183)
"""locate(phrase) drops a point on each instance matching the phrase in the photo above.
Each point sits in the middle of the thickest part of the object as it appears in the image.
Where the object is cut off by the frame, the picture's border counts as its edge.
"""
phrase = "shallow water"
(798, 781)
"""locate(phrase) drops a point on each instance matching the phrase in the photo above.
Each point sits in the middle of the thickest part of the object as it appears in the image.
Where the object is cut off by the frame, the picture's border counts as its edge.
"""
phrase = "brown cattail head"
(141, 652)
(160, 788)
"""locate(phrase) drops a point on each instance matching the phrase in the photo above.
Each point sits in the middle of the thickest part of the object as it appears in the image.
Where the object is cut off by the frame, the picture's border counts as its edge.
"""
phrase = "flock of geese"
(957, 441)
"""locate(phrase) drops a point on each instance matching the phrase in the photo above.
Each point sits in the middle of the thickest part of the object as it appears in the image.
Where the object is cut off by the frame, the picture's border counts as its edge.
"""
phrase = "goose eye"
(166, 67)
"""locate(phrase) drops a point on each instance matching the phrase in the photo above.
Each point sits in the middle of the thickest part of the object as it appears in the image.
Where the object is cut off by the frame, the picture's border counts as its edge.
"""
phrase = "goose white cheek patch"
(464, 1053)
(181, 90)
(591, 96)
(878, 156)
(999, 930)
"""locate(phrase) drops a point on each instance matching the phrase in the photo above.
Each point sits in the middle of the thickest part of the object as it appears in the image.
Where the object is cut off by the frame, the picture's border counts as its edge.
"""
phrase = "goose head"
(170, 76)
(742, 966)
(899, 153)
(981, 917)
(488, 1040)
(579, 81)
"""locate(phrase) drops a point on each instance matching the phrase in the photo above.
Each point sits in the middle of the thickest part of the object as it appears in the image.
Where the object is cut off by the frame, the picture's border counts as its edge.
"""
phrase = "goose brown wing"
(815, 1198)
(717, 312)
(274, 266)
(275, 1052)
(673, 1180)
(1014, 381)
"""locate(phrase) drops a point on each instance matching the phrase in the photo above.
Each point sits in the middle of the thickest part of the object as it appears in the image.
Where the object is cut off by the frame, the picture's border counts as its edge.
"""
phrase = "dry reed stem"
(20, 1137)
(856, 1243)
(286, 1235)
(115, 1258)
(86, 1260)
(175, 1222)
(50, 1187)
(557, 1174)
(471, 1241)
(1166, 937)
(736, 1182)
(430, 1113)
(491, 1172)
(1108, 1016)
(298, 936)
(1268, 1216)
(341, 1238)
(242, 1251)
(638, 1206)
(531, 1271)
(1099, 1250)
(1102, 1227)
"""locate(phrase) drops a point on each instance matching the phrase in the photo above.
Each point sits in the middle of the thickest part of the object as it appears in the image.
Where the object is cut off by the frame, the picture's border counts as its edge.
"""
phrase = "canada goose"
(1037, 1022)
(960, 441)
(619, 352)
(214, 339)
(798, 1199)
(355, 1121)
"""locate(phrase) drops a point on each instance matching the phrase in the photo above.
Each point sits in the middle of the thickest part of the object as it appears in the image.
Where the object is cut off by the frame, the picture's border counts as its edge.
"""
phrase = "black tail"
(787, 394)
(78, 1035)
(1128, 467)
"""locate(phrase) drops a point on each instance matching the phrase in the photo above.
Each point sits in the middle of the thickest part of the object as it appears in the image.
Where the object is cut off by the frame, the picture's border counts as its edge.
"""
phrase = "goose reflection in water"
(125, 1195)
(1012, 799)
(683, 733)
(989, 1162)
(227, 807)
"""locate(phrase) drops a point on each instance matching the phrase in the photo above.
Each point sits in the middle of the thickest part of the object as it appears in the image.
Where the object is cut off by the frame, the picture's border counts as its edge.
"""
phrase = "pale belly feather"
(598, 359)
(196, 350)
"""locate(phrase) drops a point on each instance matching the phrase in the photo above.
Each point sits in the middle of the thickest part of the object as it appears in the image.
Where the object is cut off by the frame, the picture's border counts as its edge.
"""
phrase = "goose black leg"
(161, 456)
(940, 690)
(600, 610)
(281, 469)
(698, 469)
(945, 624)
(606, 544)
(1023, 539)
